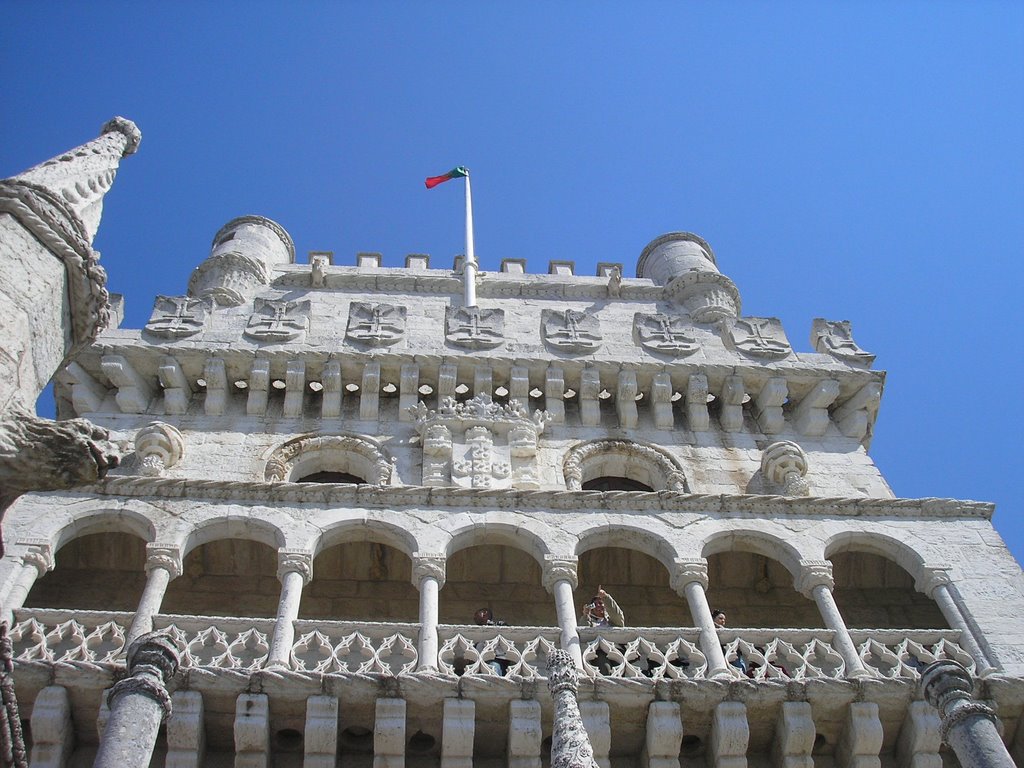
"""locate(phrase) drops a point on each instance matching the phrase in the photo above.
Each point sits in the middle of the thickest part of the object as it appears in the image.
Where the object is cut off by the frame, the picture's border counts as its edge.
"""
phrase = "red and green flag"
(455, 173)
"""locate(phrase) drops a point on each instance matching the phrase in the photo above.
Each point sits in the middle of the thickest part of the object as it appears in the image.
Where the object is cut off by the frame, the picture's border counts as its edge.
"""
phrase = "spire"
(81, 177)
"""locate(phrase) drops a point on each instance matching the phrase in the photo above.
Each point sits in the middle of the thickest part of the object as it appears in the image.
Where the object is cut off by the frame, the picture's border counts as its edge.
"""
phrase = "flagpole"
(469, 268)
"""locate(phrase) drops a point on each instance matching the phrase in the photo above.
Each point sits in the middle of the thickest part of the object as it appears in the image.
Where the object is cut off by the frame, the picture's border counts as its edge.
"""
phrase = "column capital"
(814, 573)
(295, 561)
(931, 577)
(38, 555)
(164, 556)
(428, 565)
(685, 570)
(558, 569)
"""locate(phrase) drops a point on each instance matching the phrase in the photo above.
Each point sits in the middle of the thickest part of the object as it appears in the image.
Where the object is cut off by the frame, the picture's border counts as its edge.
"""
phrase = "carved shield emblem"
(378, 325)
(175, 317)
(278, 320)
(835, 337)
(474, 327)
(664, 334)
(759, 337)
(571, 331)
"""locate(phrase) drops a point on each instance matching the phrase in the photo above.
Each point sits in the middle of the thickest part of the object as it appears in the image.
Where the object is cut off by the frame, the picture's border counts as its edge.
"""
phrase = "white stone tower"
(336, 466)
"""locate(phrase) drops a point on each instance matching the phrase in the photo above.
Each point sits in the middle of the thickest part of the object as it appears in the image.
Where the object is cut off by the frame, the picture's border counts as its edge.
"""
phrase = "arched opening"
(99, 571)
(331, 477)
(505, 579)
(638, 583)
(226, 577)
(873, 591)
(622, 461)
(757, 591)
(348, 455)
(361, 580)
(611, 483)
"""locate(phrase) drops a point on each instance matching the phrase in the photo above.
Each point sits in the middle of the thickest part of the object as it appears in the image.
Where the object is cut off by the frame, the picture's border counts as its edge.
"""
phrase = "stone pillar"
(664, 735)
(560, 580)
(968, 726)
(815, 582)
(524, 733)
(459, 727)
(138, 703)
(186, 731)
(689, 579)
(252, 730)
(428, 577)
(295, 570)
(34, 563)
(321, 732)
(935, 582)
(162, 565)
(920, 738)
(794, 736)
(730, 736)
(389, 734)
(861, 741)
(570, 744)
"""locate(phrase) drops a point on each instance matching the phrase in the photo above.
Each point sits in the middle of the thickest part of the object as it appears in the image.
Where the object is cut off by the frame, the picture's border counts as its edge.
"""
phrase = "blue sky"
(860, 161)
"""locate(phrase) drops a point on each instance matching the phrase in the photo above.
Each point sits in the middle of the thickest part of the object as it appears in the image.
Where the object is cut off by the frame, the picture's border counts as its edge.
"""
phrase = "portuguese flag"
(454, 173)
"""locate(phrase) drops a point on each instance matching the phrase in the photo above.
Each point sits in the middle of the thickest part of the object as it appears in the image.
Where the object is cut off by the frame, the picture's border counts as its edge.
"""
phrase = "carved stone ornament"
(835, 337)
(664, 334)
(686, 571)
(353, 454)
(474, 327)
(159, 446)
(177, 317)
(292, 560)
(597, 458)
(570, 331)
(378, 325)
(162, 556)
(570, 743)
(277, 320)
(931, 577)
(814, 573)
(428, 566)
(479, 443)
(783, 468)
(759, 337)
(558, 569)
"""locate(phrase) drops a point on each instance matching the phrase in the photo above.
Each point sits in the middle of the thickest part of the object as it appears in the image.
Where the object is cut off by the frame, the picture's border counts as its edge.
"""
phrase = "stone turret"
(241, 261)
(685, 264)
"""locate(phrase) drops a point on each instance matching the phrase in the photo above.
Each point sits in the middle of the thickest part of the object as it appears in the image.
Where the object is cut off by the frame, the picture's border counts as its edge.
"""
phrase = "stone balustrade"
(60, 636)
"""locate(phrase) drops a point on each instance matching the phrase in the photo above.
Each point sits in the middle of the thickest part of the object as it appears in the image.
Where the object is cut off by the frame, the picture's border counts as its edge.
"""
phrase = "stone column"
(968, 726)
(815, 582)
(34, 563)
(560, 580)
(935, 582)
(570, 744)
(138, 703)
(295, 570)
(428, 577)
(162, 564)
(689, 579)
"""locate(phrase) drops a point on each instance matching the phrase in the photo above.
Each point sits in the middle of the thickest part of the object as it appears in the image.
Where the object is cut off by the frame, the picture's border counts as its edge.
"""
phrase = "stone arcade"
(333, 467)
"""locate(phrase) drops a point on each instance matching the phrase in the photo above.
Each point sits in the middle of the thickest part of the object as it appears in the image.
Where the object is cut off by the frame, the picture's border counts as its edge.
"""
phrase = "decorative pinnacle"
(124, 126)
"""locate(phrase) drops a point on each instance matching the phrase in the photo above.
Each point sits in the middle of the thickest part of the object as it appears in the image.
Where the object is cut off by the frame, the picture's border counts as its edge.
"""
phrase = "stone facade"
(335, 466)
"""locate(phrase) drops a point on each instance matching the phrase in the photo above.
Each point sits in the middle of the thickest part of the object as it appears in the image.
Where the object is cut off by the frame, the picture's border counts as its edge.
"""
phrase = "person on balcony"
(499, 665)
(602, 611)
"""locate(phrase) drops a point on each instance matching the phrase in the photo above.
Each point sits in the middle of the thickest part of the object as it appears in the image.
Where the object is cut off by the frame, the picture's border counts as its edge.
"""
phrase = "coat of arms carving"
(835, 337)
(175, 317)
(571, 330)
(475, 327)
(759, 337)
(664, 334)
(480, 443)
(278, 320)
(378, 325)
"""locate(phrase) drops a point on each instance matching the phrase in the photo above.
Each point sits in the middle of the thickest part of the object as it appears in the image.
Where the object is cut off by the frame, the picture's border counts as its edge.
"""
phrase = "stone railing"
(470, 649)
(363, 647)
(97, 638)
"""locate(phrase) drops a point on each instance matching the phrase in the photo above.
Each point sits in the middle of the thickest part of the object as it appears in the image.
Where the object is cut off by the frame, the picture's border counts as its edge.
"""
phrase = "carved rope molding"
(285, 457)
(580, 456)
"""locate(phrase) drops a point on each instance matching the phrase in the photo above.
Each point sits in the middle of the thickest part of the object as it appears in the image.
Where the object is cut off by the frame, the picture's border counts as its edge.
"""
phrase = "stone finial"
(295, 561)
(685, 571)
(558, 569)
(163, 556)
(159, 446)
(685, 264)
(783, 466)
(81, 177)
(428, 565)
(814, 573)
(570, 744)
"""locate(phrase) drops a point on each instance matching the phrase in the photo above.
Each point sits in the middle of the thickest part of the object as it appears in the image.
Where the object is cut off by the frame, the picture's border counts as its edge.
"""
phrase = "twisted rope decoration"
(12, 740)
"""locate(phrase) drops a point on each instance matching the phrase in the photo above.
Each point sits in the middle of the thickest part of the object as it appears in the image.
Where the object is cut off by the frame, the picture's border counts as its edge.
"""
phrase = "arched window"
(621, 465)
(331, 477)
(612, 483)
(329, 459)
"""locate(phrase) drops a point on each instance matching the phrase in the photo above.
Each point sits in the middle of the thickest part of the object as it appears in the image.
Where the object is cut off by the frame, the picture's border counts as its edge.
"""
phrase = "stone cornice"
(639, 502)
